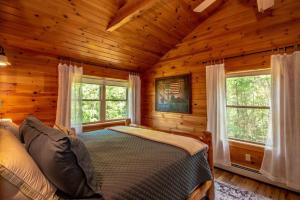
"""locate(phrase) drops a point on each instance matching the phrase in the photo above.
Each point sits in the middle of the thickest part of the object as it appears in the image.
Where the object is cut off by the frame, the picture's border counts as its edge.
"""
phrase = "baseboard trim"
(252, 174)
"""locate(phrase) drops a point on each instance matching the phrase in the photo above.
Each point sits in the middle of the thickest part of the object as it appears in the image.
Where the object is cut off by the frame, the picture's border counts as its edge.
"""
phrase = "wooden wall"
(29, 85)
(238, 150)
(235, 29)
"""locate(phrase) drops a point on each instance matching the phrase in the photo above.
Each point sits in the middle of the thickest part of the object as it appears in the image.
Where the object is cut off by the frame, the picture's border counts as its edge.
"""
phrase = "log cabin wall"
(29, 85)
(235, 29)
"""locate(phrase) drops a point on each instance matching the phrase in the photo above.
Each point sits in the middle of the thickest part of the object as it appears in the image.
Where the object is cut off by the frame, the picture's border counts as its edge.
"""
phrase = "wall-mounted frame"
(173, 94)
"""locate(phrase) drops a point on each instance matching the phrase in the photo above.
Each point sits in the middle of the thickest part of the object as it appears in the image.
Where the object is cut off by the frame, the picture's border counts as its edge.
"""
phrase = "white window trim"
(242, 74)
(248, 73)
(102, 82)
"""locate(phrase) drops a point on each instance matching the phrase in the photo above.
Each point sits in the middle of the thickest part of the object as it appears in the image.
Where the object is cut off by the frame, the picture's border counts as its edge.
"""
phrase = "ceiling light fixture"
(3, 59)
(204, 5)
(263, 5)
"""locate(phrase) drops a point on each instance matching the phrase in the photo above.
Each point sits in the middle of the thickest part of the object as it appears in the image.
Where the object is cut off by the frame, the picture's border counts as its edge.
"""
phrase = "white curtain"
(216, 112)
(69, 111)
(134, 99)
(281, 161)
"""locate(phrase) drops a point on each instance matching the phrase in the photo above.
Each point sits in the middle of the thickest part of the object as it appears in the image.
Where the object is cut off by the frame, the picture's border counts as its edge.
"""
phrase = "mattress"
(130, 167)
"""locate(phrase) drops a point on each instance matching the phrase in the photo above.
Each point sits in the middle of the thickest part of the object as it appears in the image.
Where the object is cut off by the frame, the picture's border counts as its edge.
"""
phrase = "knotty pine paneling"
(29, 85)
(78, 29)
(238, 151)
(235, 29)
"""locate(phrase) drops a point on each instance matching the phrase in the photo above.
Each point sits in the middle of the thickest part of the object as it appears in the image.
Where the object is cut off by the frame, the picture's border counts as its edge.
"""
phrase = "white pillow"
(10, 126)
(11, 191)
(18, 168)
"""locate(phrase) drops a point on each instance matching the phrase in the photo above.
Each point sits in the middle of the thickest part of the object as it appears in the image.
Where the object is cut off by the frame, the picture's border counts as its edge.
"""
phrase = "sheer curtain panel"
(69, 111)
(134, 99)
(281, 160)
(216, 112)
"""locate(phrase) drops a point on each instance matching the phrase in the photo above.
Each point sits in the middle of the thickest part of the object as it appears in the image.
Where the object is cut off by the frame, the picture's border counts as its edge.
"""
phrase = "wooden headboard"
(97, 126)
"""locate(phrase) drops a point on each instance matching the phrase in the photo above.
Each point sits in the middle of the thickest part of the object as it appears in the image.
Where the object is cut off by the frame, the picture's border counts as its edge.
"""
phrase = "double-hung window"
(248, 97)
(104, 99)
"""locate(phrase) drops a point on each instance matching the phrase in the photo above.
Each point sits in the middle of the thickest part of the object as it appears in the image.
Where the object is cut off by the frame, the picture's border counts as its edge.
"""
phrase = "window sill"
(102, 125)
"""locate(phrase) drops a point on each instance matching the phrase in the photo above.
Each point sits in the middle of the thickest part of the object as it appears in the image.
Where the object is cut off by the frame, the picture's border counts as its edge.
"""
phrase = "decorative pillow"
(10, 126)
(64, 160)
(18, 170)
(65, 130)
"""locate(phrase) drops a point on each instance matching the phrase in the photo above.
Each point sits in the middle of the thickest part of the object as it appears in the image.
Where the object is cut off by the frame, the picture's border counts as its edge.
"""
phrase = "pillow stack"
(64, 160)
(20, 177)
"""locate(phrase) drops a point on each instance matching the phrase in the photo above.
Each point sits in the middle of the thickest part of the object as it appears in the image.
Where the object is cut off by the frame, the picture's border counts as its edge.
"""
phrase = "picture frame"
(173, 94)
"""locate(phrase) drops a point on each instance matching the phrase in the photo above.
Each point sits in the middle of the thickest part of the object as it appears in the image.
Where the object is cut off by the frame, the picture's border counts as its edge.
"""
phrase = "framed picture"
(173, 94)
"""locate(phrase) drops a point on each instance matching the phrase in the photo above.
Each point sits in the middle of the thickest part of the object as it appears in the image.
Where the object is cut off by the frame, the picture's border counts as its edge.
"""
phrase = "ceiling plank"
(77, 29)
(128, 12)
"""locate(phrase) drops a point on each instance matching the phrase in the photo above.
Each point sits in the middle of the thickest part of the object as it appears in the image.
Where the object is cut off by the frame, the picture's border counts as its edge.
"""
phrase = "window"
(91, 101)
(103, 100)
(116, 102)
(248, 106)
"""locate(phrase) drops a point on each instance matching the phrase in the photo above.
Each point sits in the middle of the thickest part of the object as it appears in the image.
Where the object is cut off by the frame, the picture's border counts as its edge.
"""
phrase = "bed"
(132, 167)
(127, 162)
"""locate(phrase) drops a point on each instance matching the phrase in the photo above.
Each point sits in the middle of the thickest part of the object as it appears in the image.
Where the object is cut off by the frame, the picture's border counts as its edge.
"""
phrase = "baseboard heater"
(245, 168)
(252, 174)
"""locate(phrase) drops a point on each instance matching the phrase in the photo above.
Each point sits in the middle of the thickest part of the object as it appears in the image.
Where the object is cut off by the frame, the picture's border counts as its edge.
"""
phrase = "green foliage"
(90, 111)
(248, 99)
(116, 93)
(249, 90)
(90, 102)
(116, 102)
(116, 110)
(90, 91)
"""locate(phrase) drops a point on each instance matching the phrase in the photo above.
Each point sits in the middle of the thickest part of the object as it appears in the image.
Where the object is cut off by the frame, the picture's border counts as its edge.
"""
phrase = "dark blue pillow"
(64, 160)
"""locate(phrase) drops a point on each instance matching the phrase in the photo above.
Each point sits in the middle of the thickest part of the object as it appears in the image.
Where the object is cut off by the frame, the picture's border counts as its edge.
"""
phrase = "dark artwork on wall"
(173, 94)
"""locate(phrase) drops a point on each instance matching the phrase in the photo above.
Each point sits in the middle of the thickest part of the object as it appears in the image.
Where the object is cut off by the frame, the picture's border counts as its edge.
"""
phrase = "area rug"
(225, 191)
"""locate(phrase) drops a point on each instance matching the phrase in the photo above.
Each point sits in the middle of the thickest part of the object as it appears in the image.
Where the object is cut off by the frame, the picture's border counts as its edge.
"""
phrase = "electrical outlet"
(248, 157)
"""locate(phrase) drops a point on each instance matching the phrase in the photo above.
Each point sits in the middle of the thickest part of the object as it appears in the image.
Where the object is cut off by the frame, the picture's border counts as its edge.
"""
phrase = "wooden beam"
(128, 12)
(215, 6)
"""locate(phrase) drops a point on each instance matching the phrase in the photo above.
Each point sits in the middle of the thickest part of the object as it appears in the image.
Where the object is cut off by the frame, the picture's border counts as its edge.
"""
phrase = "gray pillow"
(64, 160)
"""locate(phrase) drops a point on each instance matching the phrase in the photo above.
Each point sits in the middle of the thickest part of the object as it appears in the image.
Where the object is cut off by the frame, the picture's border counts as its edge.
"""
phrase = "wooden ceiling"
(78, 29)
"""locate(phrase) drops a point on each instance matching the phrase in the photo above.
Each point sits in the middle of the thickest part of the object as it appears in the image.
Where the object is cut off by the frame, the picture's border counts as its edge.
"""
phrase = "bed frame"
(206, 190)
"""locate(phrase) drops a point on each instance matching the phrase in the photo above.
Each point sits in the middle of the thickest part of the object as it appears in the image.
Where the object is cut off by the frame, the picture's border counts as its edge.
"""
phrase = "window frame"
(243, 74)
(93, 100)
(102, 83)
(105, 100)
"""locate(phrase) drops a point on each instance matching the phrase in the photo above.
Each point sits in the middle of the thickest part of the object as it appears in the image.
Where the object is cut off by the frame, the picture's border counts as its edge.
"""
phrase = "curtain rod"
(215, 60)
(71, 60)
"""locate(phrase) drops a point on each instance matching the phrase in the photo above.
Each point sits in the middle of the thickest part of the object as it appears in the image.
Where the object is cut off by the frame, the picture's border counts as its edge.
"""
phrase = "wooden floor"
(255, 186)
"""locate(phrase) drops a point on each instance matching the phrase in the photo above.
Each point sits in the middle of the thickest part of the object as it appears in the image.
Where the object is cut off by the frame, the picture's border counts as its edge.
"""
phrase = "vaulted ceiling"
(141, 31)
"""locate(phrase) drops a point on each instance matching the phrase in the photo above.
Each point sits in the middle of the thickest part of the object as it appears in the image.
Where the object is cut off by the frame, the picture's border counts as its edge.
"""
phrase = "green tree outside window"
(248, 107)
